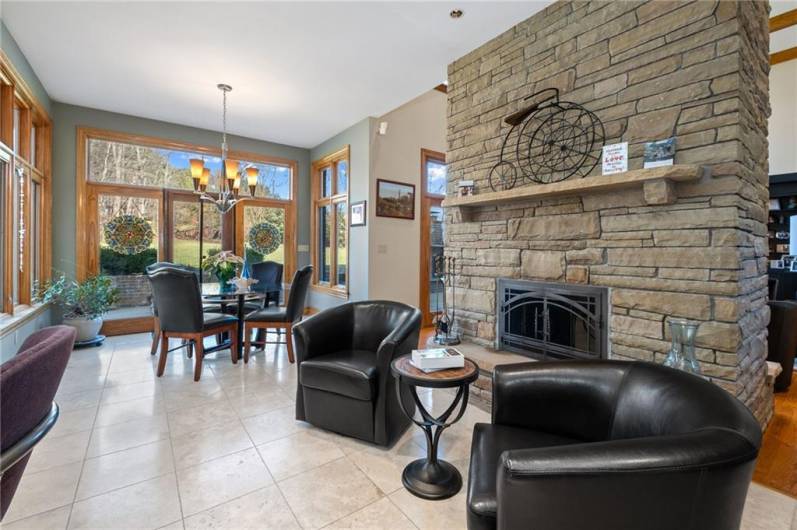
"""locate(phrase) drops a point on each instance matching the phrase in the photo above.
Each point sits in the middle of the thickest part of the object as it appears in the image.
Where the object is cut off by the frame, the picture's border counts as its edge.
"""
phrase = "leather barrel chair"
(782, 340)
(344, 357)
(610, 445)
(28, 383)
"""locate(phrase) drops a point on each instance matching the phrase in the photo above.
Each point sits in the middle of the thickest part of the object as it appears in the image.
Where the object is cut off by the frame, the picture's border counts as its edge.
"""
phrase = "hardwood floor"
(777, 461)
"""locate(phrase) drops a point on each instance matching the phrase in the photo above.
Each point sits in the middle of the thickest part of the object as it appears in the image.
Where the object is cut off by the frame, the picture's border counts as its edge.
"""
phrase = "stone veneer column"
(649, 70)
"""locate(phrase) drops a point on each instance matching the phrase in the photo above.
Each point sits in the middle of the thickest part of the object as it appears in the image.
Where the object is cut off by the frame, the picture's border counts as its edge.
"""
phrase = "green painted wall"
(66, 120)
(358, 137)
(23, 67)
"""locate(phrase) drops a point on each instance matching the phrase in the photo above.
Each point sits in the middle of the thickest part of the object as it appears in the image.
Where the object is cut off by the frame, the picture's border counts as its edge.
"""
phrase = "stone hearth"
(694, 249)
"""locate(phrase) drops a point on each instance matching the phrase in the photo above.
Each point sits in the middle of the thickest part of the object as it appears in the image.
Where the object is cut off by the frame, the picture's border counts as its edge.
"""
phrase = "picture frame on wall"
(358, 214)
(395, 199)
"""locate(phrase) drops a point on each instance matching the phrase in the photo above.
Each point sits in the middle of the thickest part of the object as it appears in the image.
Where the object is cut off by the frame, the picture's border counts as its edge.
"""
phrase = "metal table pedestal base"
(432, 480)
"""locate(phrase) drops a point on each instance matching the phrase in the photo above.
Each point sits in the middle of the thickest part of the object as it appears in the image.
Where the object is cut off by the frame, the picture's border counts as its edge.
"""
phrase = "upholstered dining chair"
(343, 356)
(28, 383)
(269, 280)
(606, 445)
(179, 304)
(281, 317)
(156, 332)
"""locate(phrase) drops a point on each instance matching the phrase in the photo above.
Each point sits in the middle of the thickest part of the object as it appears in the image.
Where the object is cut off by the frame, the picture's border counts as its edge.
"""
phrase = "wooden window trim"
(15, 93)
(86, 230)
(426, 200)
(330, 160)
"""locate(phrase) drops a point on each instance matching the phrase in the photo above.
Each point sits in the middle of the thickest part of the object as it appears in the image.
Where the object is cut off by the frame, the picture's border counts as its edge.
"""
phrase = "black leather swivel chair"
(281, 318)
(344, 357)
(610, 445)
(179, 304)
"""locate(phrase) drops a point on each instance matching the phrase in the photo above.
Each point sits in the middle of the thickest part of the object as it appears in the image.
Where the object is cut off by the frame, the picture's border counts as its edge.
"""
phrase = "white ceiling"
(301, 71)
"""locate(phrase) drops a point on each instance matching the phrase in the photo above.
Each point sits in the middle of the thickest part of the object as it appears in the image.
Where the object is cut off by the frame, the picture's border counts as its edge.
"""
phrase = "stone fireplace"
(686, 241)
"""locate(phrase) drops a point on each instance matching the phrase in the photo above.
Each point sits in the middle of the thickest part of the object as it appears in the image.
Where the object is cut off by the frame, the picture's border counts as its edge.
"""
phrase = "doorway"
(433, 190)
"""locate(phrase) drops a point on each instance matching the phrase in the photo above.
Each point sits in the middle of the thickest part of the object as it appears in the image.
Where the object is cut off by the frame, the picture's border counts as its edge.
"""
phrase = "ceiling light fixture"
(456, 13)
(230, 173)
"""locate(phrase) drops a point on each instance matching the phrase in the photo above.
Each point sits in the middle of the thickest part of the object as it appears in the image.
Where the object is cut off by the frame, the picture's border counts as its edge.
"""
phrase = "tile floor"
(134, 451)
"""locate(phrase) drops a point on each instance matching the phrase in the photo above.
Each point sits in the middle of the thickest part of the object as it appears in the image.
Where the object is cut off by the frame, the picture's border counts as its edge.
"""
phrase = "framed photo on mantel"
(395, 199)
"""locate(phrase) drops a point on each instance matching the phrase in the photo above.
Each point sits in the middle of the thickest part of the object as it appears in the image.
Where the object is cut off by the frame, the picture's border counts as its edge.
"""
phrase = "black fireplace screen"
(551, 320)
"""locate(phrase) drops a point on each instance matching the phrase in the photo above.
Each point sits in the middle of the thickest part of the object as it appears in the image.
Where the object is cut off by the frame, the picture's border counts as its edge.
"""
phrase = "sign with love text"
(615, 158)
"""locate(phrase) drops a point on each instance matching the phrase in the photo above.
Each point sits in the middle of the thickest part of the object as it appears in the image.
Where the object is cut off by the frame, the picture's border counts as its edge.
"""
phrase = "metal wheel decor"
(555, 141)
(264, 238)
(128, 234)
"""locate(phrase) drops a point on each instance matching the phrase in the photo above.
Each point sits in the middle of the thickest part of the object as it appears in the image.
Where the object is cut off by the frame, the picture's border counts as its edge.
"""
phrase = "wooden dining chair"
(179, 305)
(281, 317)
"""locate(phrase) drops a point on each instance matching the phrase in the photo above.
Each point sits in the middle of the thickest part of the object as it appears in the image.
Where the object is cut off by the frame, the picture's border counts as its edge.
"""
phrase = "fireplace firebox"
(551, 321)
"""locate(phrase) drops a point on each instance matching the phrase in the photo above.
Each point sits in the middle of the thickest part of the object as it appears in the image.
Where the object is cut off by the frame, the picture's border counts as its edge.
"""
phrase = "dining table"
(212, 293)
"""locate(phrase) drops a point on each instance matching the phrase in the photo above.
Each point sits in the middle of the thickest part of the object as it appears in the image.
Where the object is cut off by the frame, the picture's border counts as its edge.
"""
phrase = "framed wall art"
(395, 199)
(358, 214)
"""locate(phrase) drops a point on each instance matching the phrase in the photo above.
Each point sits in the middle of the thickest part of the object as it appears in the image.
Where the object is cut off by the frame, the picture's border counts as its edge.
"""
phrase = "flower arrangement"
(89, 299)
(224, 265)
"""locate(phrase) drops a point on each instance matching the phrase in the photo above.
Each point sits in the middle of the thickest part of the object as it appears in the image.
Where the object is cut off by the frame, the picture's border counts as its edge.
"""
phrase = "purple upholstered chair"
(28, 383)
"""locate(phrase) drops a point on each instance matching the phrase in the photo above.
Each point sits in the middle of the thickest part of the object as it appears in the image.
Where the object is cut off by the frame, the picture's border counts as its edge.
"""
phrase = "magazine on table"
(433, 359)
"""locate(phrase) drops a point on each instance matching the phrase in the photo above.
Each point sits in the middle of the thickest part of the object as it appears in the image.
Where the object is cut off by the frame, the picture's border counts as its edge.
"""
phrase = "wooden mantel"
(656, 182)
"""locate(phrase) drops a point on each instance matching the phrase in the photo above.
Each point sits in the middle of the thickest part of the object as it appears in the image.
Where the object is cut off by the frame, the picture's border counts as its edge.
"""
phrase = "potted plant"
(224, 265)
(84, 303)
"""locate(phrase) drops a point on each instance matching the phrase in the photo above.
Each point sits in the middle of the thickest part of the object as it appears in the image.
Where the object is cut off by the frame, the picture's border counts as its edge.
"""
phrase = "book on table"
(433, 359)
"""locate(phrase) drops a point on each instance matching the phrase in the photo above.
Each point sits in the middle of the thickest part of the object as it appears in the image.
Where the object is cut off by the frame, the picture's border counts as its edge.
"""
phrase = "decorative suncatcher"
(555, 140)
(128, 234)
(264, 238)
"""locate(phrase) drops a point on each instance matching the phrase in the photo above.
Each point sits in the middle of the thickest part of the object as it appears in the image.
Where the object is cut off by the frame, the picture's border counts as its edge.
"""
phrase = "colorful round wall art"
(128, 234)
(264, 238)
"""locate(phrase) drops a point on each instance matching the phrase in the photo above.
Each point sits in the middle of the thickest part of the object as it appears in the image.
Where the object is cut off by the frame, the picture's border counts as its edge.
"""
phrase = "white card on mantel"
(615, 158)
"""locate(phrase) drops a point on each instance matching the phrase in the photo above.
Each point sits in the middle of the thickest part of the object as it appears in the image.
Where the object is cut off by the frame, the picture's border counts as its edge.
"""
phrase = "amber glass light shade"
(251, 179)
(197, 165)
(237, 183)
(204, 179)
(231, 168)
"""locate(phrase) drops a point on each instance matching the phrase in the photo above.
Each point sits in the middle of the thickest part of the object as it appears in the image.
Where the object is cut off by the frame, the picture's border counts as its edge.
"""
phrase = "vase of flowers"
(223, 265)
(84, 303)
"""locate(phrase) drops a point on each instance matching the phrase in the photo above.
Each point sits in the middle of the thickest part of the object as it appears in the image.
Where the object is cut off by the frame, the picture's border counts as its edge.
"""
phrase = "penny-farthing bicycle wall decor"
(554, 140)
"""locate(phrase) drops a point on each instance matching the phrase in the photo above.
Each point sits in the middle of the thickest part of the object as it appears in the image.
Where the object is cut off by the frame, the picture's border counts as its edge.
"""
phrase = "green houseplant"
(84, 303)
(224, 265)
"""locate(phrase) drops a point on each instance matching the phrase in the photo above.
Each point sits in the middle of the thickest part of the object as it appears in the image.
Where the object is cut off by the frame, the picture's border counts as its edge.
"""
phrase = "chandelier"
(230, 174)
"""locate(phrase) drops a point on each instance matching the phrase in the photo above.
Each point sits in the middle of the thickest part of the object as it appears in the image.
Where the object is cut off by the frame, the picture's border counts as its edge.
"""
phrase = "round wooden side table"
(432, 478)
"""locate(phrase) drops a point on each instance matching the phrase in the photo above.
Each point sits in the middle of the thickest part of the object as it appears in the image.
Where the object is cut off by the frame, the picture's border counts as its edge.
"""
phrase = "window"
(117, 162)
(24, 196)
(436, 173)
(330, 250)
(139, 181)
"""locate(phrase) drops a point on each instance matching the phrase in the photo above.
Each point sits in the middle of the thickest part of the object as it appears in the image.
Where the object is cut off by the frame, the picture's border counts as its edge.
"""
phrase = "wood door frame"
(427, 201)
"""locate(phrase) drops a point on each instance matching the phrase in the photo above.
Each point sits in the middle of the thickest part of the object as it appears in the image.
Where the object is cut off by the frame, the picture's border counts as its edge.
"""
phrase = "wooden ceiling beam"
(783, 56)
(782, 21)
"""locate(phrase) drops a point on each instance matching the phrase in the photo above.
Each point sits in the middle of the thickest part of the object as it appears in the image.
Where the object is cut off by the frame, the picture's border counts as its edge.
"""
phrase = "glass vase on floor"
(682, 352)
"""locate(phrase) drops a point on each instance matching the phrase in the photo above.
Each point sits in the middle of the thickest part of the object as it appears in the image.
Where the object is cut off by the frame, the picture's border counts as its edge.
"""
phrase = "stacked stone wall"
(650, 70)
